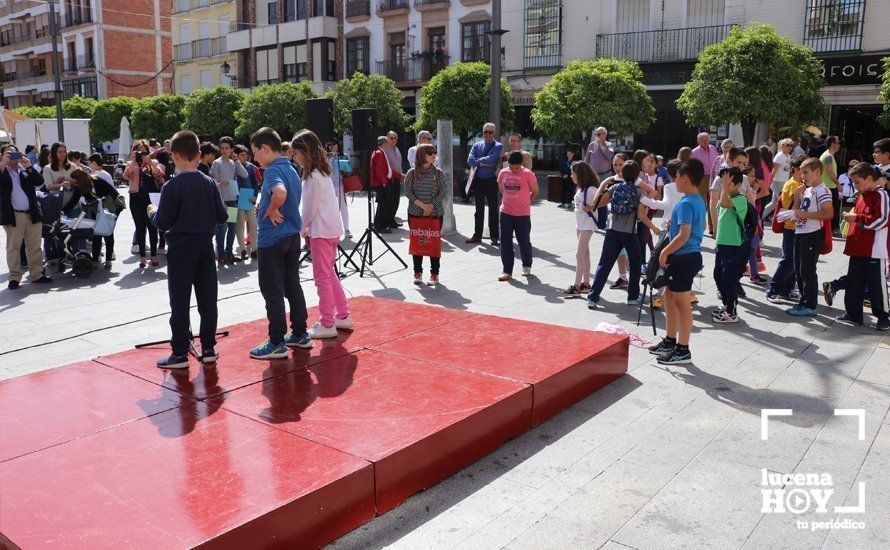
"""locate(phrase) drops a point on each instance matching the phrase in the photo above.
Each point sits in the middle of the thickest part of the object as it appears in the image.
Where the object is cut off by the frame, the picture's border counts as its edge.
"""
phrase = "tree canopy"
(460, 93)
(884, 95)
(752, 76)
(37, 112)
(210, 112)
(360, 92)
(158, 116)
(278, 106)
(106, 122)
(78, 107)
(588, 94)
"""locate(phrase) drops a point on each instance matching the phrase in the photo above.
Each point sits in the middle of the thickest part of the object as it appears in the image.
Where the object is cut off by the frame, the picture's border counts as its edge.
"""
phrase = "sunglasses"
(488, 132)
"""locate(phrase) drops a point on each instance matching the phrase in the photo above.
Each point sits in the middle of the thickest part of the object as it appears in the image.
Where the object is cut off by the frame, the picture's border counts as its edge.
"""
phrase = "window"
(185, 84)
(542, 33)
(295, 63)
(475, 43)
(323, 7)
(436, 37)
(272, 13)
(633, 16)
(357, 58)
(184, 34)
(290, 10)
(705, 13)
(834, 25)
(89, 56)
(266, 66)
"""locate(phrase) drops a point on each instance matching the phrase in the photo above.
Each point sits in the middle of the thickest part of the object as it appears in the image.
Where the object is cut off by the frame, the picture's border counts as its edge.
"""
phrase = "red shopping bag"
(426, 237)
(826, 237)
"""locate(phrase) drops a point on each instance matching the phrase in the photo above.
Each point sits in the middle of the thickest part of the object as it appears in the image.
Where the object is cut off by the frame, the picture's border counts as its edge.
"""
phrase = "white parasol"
(126, 139)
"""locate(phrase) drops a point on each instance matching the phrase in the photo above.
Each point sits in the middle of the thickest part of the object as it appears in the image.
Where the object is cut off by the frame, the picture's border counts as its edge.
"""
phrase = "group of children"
(289, 208)
(803, 212)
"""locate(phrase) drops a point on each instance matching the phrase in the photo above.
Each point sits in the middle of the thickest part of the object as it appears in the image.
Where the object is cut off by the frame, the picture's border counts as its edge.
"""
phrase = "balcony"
(239, 25)
(430, 5)
(80, 63)
(392, 8)
(419, 68)
(182, 6)
(196, 49)
(182, 52)
(358, 10)
(834, 25)
(660, 46)
(42, 32)
(75, 19)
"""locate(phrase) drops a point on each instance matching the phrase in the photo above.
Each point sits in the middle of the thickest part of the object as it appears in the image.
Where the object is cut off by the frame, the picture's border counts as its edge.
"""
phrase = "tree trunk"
(748, 128)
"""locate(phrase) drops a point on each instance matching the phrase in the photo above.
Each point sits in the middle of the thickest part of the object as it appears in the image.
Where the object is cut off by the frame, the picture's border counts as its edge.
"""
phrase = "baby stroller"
(66, 236)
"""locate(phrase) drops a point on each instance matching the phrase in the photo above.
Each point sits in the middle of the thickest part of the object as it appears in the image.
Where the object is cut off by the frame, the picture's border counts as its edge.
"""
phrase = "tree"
(375, 91)
(460, 93)
(752, 76)
(37, 112)
(210, 112)
(589, 94)
(884, 95)
(158, 117)
(106, 122)
(78, 107)
(278, 106)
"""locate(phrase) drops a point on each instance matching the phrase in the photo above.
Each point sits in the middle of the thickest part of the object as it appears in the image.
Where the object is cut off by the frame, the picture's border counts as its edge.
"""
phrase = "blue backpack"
(624, 198)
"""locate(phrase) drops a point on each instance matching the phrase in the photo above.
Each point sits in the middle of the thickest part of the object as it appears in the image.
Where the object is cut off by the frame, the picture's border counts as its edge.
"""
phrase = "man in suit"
(20, 215)
(385, 180)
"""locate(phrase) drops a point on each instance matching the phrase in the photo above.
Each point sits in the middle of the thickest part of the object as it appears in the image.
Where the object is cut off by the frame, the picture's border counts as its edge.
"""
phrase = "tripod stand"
(366, 243)
(647, 288)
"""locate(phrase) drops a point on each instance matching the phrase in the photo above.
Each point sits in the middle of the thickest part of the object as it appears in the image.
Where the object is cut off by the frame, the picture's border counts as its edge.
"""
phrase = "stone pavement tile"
(877, 368)
(710, 504)
(873, 474)
(837, 451)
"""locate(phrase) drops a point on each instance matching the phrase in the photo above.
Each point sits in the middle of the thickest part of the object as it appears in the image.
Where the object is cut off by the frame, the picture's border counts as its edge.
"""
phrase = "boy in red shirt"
(867, 248)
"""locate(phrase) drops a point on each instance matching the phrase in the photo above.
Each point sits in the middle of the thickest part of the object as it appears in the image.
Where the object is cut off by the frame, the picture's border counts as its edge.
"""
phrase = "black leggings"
(109, 247)
(138, 203)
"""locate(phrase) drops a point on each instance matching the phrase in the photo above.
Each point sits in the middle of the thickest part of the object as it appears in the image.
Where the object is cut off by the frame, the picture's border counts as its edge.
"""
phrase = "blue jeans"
(522, 226)
(783, 281)
(612, 245)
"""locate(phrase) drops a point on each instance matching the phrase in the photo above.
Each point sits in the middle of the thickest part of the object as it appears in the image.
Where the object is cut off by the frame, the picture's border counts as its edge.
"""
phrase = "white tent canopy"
(125, 142)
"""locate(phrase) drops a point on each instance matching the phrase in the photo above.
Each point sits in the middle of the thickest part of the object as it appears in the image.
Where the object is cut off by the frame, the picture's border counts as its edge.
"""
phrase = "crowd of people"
(280, 201)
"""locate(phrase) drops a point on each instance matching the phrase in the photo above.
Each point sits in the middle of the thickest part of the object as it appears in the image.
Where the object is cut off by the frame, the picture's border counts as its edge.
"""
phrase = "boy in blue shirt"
(189, 211)
(682, 259)
(278, 247)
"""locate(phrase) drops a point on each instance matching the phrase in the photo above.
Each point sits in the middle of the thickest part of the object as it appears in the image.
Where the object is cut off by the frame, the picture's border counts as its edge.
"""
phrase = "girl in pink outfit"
(324, 227)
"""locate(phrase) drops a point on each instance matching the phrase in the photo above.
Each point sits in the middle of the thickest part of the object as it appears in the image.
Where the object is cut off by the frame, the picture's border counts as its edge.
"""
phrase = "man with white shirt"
(20, 215)
(422, 137)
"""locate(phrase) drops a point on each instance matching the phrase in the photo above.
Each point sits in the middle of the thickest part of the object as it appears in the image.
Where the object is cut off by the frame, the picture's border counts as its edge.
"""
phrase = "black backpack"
(750, 224)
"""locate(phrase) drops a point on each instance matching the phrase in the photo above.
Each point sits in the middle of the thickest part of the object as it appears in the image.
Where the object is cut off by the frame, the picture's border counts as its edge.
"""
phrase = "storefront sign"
(841, 71)
(663, 73)
(524, 98)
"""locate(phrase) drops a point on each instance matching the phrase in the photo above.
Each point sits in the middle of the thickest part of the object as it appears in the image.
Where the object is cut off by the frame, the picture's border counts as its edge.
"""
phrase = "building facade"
(665, 38)
(288, 41)
(200, 51)
(409, 41)
(106, 48)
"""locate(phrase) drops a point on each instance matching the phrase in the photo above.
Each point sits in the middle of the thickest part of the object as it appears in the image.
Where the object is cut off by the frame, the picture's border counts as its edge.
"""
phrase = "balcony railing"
(208, 47)
(72, 20)
(834, 25)
(18, 39)
(421, 4)
(384, 7)
(660, 46)
(79, 63)
(239, 25)
(182, 52)
(180, 6)
(420, 68)
(358, 8)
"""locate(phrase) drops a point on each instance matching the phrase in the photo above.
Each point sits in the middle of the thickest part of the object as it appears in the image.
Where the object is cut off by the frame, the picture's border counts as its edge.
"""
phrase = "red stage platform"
(293, 452)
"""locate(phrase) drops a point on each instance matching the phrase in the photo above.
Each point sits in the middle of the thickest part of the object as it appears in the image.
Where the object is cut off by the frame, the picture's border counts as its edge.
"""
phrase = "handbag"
(105, 221)
(114, 203)
(778, 226)
(352, 183)
(426, 237)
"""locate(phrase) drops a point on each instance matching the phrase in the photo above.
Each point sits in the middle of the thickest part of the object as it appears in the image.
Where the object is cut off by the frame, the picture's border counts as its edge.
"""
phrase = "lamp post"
(57, 83)
(496, 33)
(226, 69)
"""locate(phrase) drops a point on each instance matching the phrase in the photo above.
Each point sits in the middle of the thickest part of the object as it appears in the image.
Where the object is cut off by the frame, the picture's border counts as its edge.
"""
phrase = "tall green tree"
(106, 122)
(210, 112)
(278, 106)
(158, 116)
(461, 93)
(752, 76)
(588, 94)
(884, 95)
(37, 112)
(375, 91)
(78, 107)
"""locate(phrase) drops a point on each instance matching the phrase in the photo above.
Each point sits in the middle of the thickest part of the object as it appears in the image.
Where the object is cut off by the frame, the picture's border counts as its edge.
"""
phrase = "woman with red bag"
(425, 189)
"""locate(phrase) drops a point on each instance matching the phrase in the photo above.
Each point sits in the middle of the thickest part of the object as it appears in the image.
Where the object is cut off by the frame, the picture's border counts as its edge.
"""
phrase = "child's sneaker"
(209, 355)
(434, 280)
(319, 331)
(572, 291)
(847, 320)
(759, 280)
(828, 293)
(591, 303)
(665, 346)
(883, 325)
(725, 317)
(620, 283)
(298, 341)
(268, 350)
(345, 323)
(174, 362)
(634, 301)
(527, 271)
(798, 311)
(677, 356)
(418, 279)
(761, 267)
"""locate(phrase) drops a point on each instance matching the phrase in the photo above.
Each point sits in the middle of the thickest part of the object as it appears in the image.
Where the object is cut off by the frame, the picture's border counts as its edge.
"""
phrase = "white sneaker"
(134, 249)
(526, 272)
(344, 324)
(319, 331)
(348, 234)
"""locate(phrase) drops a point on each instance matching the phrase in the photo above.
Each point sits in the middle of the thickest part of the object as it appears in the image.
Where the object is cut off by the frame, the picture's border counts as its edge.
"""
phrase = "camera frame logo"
(809, 492)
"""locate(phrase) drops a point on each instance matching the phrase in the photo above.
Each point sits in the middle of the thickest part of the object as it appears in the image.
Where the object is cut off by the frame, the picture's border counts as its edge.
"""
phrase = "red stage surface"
(292, 452)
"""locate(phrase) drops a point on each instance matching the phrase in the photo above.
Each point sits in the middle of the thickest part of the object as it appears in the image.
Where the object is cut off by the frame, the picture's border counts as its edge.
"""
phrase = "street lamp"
(226, 69)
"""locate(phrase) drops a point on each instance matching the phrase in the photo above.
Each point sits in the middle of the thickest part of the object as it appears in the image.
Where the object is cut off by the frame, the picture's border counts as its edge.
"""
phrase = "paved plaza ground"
(663, 457)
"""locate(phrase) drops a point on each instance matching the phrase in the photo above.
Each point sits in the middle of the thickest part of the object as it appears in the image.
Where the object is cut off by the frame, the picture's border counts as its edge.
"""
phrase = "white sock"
(622, 274)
